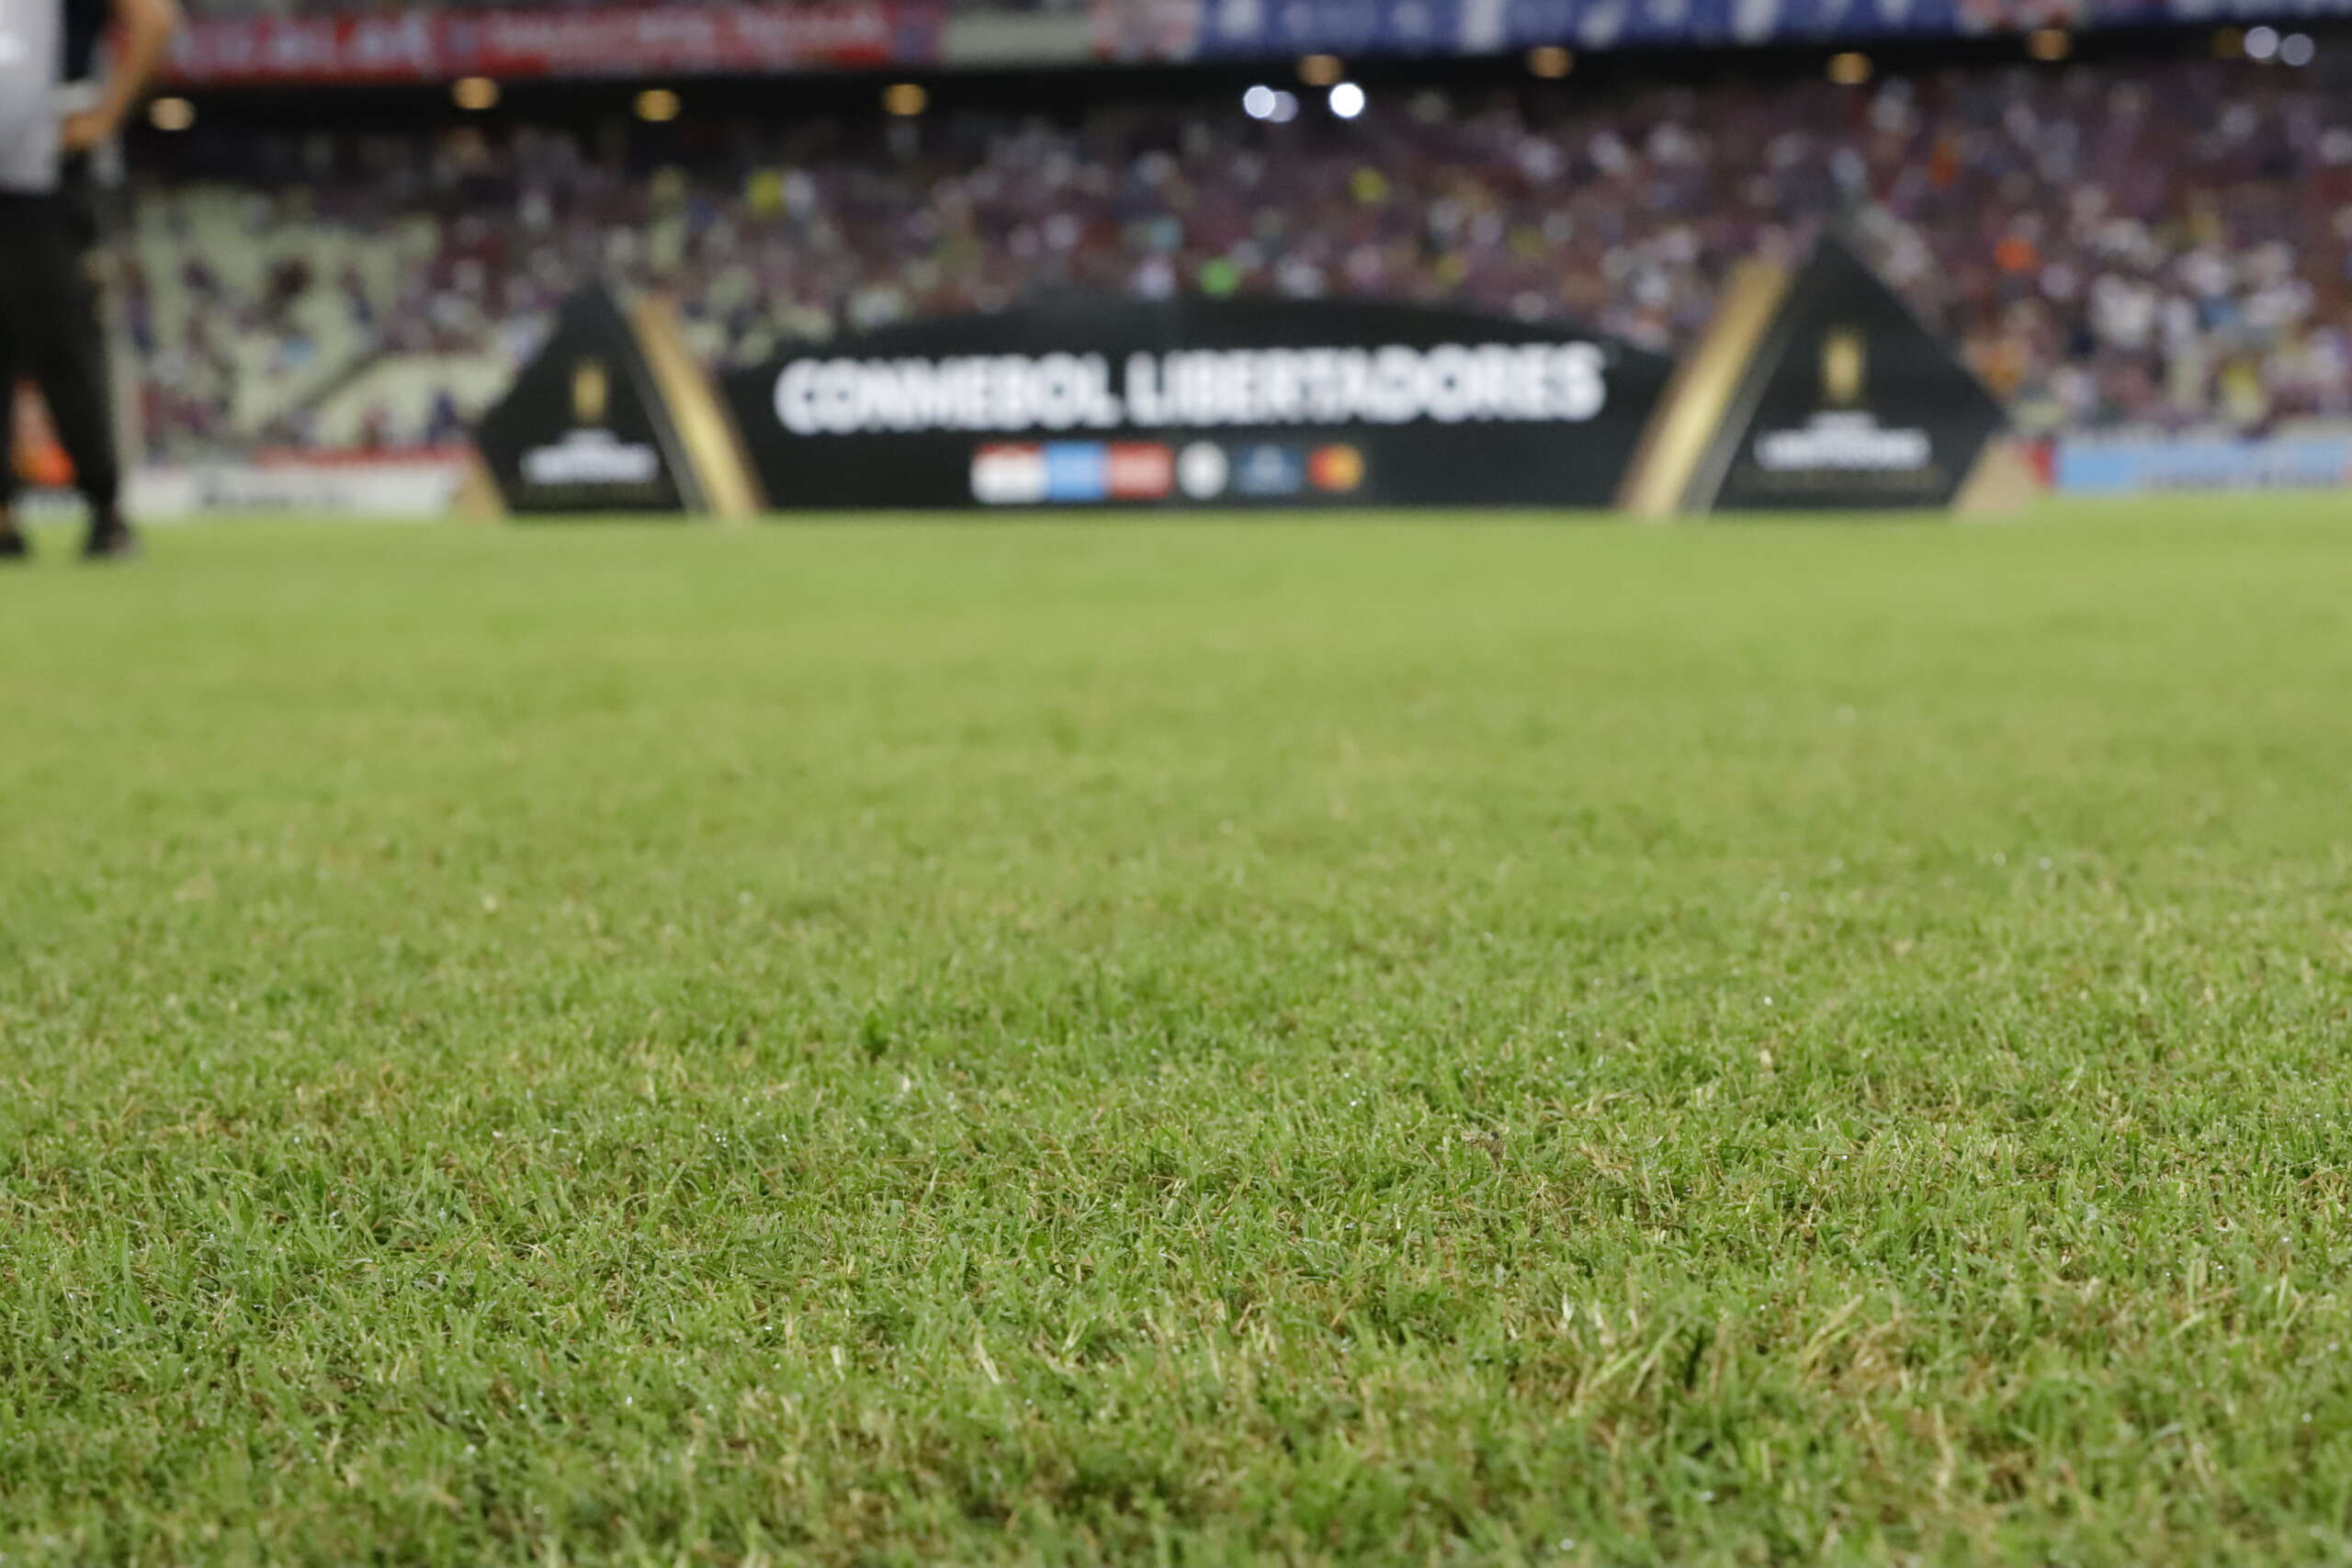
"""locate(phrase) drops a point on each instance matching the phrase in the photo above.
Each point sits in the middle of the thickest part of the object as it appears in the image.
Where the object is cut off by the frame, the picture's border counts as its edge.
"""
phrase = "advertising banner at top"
(1106, 401)
(430, 45)
(1243, 29)
(693, 37)
(1211, 30)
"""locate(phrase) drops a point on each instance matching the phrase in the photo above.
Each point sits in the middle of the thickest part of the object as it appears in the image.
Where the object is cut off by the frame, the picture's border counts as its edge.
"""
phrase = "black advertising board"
(585, 427)
(1846, 402)
(1090, 401)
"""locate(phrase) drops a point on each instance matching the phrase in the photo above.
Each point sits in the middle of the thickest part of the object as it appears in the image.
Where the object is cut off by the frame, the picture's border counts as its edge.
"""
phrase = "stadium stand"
(2163, 244)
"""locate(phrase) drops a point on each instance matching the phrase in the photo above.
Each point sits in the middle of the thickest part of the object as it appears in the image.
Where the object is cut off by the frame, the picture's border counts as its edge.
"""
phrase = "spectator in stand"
(445, 424)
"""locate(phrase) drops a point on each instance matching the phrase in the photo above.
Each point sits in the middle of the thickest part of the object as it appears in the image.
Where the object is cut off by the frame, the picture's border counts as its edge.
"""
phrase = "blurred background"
(347, 224)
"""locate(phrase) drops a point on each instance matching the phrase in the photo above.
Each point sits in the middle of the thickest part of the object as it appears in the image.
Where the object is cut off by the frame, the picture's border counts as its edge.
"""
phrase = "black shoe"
(13, 547)
(111, 541)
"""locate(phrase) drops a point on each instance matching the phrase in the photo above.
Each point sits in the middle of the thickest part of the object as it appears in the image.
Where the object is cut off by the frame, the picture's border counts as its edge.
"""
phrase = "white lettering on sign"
(592, 457)
(1199, 389)
(1848, 441)
(996, 391)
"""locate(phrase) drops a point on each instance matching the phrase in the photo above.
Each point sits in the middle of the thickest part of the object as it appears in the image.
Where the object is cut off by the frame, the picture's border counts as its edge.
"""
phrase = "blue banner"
(2123, 465)
(1236, 29)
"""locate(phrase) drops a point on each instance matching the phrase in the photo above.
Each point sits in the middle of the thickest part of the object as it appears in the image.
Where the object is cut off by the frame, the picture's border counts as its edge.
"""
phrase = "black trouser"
(51, 331)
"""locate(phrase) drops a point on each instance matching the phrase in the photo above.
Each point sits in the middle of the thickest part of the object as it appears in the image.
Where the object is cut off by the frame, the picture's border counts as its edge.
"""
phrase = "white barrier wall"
(420, 487)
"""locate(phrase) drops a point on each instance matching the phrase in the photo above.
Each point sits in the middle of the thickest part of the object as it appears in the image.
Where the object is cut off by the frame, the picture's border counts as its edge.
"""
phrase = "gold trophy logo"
(591, 391)
(1845, 366)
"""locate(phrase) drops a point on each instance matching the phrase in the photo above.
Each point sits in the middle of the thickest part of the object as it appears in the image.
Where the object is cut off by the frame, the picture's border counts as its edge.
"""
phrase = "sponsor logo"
(1843, 443)
(1843, 437)
(1336, 470)
(1269, 470)
(1142, 471)
(592, 457)
(1077, 470)
(592, 392)
(1449, 384)
(1032, 473)
(1202, 471)
(1845, 367)
(1009, 476)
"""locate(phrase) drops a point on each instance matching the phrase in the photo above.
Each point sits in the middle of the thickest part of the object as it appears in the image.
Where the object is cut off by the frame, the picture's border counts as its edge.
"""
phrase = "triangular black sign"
(1848, 402)
(584, 428)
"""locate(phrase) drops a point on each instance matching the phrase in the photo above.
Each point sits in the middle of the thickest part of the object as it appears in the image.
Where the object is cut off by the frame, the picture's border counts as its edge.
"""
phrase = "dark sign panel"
(585, 427)
(1103, 402)
(1848, 403)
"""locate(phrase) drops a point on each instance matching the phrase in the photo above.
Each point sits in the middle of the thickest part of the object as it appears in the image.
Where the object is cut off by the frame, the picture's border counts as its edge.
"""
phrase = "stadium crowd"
(2166, 245)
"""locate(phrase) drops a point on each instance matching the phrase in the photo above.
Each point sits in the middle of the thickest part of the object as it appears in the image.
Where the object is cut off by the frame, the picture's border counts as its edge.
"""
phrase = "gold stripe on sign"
(2002, 484)
(713, 447)
(1691, 410)
(478, 499)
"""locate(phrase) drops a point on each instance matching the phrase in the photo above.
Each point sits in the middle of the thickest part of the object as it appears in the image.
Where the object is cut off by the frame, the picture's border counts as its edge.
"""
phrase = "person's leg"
(13, 547)
(68, 365)
(12, 541)
(11, 367)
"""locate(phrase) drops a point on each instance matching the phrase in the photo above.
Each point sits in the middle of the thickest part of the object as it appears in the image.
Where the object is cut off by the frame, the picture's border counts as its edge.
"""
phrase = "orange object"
(2015, 254)
(41, 461)
(1336, 469)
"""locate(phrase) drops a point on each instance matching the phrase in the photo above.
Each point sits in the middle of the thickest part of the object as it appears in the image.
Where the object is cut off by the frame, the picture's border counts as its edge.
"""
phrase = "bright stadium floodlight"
(1259, 103)
(1347, 100)
(2297, 49)
(2262, 43)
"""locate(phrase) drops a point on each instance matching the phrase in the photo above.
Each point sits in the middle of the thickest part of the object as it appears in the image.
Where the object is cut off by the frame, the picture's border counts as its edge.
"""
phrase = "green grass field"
(1193, 1042)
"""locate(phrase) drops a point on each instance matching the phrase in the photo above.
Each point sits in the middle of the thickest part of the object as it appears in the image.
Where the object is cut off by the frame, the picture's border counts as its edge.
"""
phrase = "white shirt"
(32, 47)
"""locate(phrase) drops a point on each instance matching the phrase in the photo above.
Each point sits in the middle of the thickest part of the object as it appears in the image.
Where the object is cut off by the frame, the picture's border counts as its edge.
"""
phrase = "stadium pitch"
(1196, 1043)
